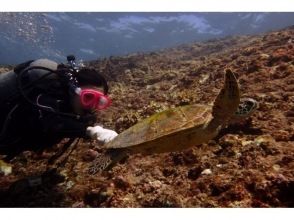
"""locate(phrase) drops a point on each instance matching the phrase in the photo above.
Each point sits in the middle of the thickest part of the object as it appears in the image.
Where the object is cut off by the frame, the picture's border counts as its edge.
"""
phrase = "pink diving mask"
(94, 99)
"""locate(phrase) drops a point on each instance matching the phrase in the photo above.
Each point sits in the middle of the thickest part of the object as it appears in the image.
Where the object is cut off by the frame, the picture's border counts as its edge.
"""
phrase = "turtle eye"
(250, 104)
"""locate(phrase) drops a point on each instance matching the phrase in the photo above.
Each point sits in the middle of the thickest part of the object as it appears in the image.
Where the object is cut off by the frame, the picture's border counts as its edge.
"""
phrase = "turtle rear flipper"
(107, 160)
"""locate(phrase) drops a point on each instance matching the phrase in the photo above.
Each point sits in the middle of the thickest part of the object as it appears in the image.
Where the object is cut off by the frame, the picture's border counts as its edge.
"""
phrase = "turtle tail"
(107, 160)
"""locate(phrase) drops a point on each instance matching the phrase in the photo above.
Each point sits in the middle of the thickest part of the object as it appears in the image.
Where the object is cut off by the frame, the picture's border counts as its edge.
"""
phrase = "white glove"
(101, 134)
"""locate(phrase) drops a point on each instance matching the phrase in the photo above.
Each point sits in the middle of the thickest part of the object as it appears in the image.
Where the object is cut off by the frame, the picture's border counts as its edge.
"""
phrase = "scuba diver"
(43, 102)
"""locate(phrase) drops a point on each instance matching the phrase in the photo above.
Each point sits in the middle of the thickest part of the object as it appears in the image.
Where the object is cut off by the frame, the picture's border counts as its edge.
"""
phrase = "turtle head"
(245, 109)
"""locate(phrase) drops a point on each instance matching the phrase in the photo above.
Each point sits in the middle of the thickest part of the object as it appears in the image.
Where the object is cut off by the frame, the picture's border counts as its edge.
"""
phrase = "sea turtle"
(178, 128)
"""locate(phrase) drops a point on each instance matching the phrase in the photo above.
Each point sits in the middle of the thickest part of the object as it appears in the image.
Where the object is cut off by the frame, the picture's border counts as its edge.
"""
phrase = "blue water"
(94, 35)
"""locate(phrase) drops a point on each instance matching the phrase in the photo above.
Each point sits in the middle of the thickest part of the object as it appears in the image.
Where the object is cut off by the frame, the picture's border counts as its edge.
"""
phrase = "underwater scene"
(147, 109)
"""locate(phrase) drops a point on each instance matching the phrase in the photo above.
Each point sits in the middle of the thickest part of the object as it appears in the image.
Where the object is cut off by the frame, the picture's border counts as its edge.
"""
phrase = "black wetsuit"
(24, 126)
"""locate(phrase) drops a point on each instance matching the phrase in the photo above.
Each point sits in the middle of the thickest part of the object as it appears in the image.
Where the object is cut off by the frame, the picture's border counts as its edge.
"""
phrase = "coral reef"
(249, 164)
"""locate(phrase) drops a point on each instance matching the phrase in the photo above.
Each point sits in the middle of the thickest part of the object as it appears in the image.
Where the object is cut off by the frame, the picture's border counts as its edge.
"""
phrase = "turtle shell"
(162, 124)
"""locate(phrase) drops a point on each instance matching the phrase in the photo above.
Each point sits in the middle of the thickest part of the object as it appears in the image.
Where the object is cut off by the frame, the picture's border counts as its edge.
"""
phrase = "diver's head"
(92, 94)
(89, 77)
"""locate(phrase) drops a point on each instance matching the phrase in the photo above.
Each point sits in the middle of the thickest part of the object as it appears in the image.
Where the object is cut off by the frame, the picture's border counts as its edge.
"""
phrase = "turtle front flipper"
(227, 101)
(107, 160)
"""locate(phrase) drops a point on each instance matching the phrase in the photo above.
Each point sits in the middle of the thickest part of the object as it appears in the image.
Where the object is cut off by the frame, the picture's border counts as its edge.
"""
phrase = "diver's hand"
(101, 134)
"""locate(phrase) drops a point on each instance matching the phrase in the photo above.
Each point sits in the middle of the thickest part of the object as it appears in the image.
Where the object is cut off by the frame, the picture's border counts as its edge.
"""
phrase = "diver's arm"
(64, 126)
(70, 127)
